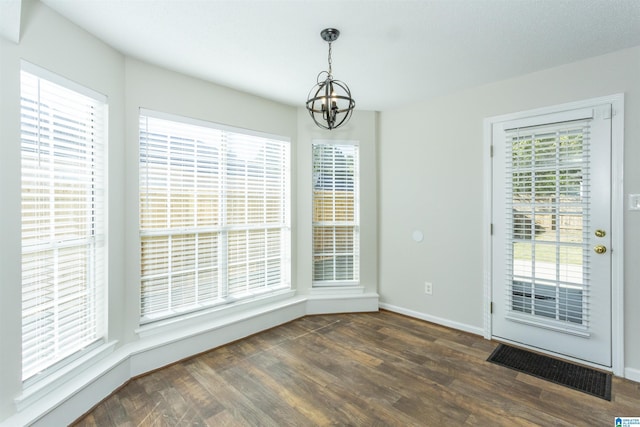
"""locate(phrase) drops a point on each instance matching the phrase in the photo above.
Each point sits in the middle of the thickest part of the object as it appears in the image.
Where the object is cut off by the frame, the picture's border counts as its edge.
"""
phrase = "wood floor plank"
(249, 381)
(332, 396)
(193, 392)
(359, 369)
(234, 401)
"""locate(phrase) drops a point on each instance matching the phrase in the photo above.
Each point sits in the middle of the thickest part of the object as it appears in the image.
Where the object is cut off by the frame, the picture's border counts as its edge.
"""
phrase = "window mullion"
(223, 247)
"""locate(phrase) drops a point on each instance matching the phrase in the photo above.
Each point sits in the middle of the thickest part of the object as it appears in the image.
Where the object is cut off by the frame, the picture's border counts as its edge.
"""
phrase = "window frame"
(64, 174)
(226, 231)
(355, 224)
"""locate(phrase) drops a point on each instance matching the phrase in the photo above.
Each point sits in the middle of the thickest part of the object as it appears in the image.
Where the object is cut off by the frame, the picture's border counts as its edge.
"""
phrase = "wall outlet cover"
(428, 288)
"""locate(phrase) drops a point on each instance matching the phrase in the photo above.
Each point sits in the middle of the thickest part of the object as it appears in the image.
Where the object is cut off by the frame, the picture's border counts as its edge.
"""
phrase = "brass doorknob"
(599, 249)
(600, 233)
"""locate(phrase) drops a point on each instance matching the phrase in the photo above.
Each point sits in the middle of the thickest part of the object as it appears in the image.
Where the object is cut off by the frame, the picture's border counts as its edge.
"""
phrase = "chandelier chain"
(330, 74)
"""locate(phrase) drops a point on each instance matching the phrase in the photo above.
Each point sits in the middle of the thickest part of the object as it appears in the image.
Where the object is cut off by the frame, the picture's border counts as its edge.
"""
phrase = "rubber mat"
(587, 380)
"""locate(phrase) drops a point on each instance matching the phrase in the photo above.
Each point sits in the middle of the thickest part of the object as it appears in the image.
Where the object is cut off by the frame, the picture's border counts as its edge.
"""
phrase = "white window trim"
(43, 73)
(345, 286)
(56, 372)
(149, 324)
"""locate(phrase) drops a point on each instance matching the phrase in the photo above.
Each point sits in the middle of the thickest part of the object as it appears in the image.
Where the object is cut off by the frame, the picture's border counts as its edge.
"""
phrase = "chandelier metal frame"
(329, 102)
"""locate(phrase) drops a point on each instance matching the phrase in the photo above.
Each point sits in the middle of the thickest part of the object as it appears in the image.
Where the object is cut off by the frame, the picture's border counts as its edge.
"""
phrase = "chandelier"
(329, 102)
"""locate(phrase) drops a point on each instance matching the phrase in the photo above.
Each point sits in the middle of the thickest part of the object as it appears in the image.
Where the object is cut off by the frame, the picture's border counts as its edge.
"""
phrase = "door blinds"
(214, 215)
(336, 229)
(547, 218)
(63, 230)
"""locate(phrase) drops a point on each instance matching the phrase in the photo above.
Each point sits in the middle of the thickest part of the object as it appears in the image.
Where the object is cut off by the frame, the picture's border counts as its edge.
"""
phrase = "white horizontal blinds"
(336, 237)
(214, 215)
(179, 215)
(256, 212)
(63, 230)
(548, 220)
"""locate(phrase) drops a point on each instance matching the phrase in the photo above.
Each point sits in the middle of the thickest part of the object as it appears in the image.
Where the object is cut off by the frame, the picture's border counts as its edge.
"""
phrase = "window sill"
(61, 400)
(202, 320)
(336, 289)
(41, 389)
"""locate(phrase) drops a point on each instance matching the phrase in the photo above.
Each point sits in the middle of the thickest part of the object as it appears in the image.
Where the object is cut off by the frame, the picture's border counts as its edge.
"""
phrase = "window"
(548, 217)
(63, 224)
(214, 214)
(336, 230)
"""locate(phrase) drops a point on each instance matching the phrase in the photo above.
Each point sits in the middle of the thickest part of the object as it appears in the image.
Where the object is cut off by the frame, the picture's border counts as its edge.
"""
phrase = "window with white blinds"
(548, 194)
(63, 219)
(214, 214)
(336, 227)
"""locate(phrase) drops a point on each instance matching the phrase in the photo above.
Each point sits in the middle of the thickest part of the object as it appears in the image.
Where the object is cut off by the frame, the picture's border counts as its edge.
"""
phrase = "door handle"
(600, 249)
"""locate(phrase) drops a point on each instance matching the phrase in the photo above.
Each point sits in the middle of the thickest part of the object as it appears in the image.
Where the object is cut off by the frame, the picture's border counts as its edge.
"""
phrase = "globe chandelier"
(329, 102)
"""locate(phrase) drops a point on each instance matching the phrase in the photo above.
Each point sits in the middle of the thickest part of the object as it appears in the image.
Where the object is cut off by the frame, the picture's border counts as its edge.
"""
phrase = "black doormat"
(573, 376)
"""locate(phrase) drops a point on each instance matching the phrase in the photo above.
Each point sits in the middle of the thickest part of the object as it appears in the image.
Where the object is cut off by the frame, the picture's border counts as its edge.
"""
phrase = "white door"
(551, 216)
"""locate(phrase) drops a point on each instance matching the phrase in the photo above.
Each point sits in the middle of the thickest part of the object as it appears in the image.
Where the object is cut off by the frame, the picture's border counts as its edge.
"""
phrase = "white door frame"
(617, 216)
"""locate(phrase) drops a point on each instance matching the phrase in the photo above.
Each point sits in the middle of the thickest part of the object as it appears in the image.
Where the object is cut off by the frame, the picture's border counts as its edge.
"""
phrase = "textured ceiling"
(391, 52)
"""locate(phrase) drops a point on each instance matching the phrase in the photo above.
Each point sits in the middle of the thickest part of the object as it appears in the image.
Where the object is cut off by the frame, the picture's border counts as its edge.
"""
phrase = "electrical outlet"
(428, 288)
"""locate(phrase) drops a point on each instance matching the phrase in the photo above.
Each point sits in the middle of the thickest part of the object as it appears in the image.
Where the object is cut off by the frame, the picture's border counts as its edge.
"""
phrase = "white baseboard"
(78, 396)
(80, 393)
(433, 319)
(632, 374)
(162, 349)
(342, 303)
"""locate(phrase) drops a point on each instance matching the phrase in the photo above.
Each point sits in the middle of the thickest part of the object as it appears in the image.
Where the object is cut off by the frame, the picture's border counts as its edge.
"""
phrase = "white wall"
(431, 178)
(51, 43)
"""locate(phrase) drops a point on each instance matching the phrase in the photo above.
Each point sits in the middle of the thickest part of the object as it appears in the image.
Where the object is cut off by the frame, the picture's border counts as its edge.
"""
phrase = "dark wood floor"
(374, 369)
